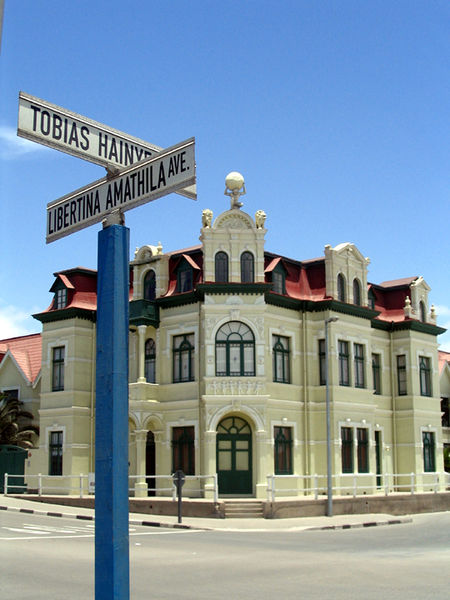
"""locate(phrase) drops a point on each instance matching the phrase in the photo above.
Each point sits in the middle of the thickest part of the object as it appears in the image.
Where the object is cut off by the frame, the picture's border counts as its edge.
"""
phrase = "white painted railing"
(197, 492)
(355, 484)
(81, 485)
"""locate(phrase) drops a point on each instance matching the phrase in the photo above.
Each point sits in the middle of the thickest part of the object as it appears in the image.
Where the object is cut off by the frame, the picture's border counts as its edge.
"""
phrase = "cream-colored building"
(228, 373)
(444, 385)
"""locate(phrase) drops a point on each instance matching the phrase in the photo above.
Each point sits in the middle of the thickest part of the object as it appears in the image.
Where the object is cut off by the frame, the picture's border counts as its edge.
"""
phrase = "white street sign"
(59, 128)
(152, 178)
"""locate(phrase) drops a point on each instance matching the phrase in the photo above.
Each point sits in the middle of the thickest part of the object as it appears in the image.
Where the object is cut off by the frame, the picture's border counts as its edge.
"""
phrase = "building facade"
(228, 367)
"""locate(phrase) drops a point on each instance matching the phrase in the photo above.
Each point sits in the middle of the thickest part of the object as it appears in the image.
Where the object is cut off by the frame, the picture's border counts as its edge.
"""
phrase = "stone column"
(140, 485)
(263, 452)
(210, 467)
(141, 353)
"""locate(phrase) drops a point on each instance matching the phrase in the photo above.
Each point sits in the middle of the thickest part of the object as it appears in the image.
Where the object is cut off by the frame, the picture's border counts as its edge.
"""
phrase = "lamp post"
(327, 386)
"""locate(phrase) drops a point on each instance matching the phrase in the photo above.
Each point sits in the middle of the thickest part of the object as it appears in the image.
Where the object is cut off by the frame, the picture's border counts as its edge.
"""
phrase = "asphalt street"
(53, 558)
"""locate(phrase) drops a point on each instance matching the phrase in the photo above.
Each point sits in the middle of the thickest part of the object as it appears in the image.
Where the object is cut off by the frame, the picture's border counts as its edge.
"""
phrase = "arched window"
(356, 292)
(235, 350)
(183, 358)
(150, 359)
(281, 371)
(150, 285)
(422, 311)
(221, 266)
(247, 267)
(341, 288)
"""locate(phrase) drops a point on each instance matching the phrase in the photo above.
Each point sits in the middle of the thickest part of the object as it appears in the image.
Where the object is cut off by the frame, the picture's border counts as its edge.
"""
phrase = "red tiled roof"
(26, 351)
(305, 280)
(406, 281)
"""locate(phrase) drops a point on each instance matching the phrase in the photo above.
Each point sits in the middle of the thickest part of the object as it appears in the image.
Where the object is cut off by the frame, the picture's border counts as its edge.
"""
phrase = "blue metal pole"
(112, 581)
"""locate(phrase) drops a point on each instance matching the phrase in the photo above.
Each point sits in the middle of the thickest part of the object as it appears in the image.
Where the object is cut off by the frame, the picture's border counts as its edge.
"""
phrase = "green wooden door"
(12, 461)
(234, 456)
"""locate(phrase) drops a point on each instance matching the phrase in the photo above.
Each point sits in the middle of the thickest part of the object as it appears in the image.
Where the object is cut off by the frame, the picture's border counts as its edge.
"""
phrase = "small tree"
(13, 430)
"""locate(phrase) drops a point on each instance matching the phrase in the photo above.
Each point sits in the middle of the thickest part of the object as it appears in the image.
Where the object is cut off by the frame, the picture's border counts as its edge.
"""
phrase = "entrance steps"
(244, 509)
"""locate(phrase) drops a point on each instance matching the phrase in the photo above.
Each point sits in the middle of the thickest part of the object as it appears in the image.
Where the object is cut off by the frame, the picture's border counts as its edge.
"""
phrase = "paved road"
(53, 558)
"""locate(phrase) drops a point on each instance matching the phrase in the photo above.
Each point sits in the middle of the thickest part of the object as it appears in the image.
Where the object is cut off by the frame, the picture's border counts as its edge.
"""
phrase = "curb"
(32, 511)
(145, 523)
(361, 525)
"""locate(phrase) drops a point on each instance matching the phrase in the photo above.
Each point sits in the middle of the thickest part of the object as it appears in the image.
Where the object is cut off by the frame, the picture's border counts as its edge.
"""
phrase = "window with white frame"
(58, 357)
(283, 450)
(429, 451)
(183, 358)
(358, 351)
(425, 376)
(150, 285)
(55, 453)
(221, 267)
(401, 375)
(150, 360)
(344, 363)
(235, 350)
(356, 292)
(347, 449)
(376, 373)
(341, 292)
(322, 363)
(183, 450)
(247, 267)
(60, 298)
(281, 359)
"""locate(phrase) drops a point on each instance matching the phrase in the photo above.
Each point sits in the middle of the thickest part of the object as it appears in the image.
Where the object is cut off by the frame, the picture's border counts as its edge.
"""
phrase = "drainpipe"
(305, 397)
(394, 420)
(92, 408)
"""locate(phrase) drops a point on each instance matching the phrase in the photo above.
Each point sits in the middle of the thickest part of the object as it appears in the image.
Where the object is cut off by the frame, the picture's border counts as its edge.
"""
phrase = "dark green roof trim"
(178, 299)
(347, 309)
(66, 313)
(233, 288)
(144, 312)
(282, 301)
(321, 305)
(201, 289)
(412, 325)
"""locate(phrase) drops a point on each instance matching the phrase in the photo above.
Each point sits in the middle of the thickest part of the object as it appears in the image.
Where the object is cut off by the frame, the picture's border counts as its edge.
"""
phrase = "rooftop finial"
(234, 187)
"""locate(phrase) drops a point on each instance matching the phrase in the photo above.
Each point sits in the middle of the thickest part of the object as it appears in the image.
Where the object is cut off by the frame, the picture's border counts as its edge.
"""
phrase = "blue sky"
(336, 113)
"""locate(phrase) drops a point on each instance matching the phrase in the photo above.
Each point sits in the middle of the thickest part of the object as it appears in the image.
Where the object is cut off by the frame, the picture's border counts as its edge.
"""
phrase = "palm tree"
(12, 429)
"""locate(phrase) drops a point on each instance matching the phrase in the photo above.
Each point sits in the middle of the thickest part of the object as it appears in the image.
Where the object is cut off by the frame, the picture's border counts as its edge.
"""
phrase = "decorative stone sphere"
(234, 181)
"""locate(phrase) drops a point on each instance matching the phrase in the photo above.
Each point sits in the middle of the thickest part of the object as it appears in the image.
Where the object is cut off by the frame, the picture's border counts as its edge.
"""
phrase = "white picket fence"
(83, 485)
(355, 484)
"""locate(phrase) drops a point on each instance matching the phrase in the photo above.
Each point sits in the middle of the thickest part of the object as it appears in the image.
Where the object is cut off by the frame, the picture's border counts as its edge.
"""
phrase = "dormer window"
(341, 288)
(221, 267)
(150, 285)
(185, 277)
(279, 280)
(247, 267)
(60, 298)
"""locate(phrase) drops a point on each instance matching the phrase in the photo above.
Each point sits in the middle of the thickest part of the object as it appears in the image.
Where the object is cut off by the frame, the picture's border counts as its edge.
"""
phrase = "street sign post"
(143, 182)
(69, 132)
(158, 174)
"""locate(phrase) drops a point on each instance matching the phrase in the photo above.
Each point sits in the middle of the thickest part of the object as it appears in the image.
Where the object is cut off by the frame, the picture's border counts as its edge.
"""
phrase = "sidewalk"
(296, 524)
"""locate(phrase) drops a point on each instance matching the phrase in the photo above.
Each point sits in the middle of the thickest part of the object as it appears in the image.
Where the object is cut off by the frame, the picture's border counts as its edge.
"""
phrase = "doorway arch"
(234, 456)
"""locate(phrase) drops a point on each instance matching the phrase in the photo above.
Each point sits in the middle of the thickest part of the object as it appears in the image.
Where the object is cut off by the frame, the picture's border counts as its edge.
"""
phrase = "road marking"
(92, 535)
